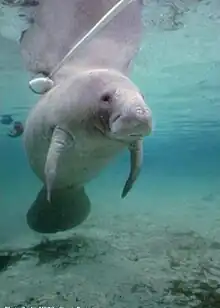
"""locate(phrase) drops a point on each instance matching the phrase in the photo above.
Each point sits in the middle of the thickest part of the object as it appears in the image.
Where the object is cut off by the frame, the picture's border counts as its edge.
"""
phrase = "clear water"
(160, 246)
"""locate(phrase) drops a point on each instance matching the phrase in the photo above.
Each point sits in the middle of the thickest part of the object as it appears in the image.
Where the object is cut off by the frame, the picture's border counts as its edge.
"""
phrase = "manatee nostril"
(143, 111)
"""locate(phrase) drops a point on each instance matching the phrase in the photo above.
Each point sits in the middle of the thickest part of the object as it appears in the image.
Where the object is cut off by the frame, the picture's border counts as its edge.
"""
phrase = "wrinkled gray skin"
(94, 111)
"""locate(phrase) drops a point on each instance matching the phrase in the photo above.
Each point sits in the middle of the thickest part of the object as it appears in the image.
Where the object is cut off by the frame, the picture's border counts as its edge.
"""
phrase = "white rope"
(41, 85)
(100, 25)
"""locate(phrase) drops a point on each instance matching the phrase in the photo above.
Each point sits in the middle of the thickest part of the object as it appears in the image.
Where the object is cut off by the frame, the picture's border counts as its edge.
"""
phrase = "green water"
(160, 246)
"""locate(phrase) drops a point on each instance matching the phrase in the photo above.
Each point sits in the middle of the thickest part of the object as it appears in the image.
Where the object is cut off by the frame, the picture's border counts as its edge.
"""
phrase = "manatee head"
(130, 118)
(122, 113)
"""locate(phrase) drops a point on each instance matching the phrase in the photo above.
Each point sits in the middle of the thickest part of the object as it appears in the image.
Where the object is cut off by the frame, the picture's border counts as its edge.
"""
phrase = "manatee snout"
(132, 120)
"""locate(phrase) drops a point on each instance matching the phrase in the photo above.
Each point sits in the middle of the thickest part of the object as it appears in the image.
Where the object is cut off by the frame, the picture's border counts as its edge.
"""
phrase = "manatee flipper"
(68, 208)
(60, 142)
(136, 159)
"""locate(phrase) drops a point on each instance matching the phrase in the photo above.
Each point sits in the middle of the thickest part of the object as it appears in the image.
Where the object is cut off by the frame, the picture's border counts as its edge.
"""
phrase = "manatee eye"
(142, 95)
(106, 97)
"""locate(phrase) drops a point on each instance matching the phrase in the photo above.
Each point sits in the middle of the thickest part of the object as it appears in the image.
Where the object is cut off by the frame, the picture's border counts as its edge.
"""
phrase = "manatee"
(46, 30)
(56, 27)
(72, 133)
(93, 112)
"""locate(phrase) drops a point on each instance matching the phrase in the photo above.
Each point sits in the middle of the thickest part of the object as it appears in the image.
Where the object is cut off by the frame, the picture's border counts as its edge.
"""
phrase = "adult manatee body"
(72, 133)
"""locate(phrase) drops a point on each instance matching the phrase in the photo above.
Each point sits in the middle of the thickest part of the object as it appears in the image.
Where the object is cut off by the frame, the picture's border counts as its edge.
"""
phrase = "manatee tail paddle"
(67, 209)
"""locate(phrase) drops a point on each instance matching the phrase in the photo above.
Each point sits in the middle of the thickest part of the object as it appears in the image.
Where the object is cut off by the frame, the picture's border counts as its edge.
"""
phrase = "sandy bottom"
(158, 248)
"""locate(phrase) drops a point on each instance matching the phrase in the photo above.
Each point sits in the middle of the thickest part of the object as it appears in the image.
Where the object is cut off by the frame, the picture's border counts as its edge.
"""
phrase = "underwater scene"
(157, 244)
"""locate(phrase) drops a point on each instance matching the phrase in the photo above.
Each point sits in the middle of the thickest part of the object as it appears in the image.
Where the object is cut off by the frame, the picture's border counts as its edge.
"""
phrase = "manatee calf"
(72, 133)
